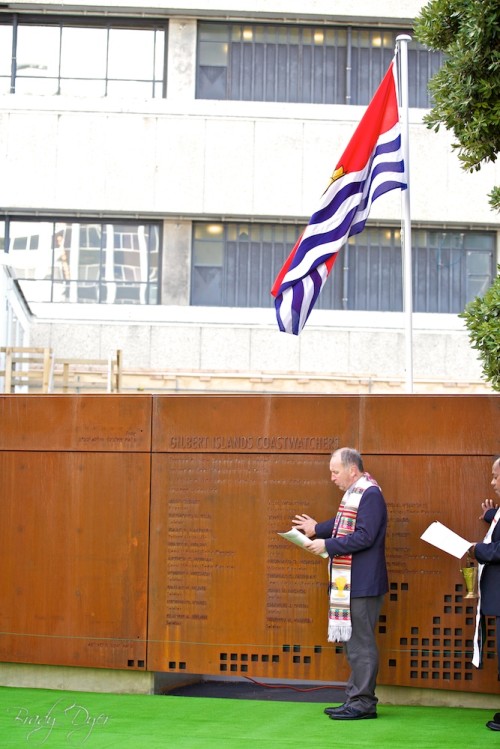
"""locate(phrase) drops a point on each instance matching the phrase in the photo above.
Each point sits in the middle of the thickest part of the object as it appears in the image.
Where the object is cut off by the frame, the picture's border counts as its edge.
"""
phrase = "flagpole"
(402, 40)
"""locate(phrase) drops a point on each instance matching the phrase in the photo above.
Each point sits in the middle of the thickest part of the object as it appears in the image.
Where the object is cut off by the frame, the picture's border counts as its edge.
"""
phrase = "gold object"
(470, 578)
(340, 583)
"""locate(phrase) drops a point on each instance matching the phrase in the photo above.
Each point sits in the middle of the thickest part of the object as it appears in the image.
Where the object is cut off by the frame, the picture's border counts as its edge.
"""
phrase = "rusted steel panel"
(427, 624)
(88, 423)
(74, 534)
(228, 596)
(258, 423)
(430, 424)
(224, 474)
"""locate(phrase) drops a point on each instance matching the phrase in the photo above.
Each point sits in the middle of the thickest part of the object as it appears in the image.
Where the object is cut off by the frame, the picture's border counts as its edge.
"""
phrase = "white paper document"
(445, 539)
(298, 538)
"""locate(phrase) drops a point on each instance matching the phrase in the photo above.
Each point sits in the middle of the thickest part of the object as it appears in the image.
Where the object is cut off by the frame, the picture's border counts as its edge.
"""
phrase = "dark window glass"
(306, 64)
(234, 265)
(450, 268)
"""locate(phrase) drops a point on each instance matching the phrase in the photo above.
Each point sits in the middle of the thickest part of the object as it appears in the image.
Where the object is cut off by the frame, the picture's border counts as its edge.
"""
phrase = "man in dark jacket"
(355, 543)
(487, 554)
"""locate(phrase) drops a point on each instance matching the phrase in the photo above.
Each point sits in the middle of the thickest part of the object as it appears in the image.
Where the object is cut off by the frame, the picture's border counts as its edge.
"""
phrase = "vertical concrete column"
(181, 61)
(181, 82)
(176, 262)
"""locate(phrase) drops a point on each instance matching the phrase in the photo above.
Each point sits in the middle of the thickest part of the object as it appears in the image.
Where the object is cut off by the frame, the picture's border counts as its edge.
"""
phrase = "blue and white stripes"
(342, 213)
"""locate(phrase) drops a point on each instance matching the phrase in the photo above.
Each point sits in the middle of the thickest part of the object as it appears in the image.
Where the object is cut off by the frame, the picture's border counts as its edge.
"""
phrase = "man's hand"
(318, 546)
(305, 524)
(488, 504)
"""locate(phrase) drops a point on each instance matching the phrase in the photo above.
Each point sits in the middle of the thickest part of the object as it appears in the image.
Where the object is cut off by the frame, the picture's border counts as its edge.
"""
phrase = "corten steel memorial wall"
(141, 532)
(74, 531)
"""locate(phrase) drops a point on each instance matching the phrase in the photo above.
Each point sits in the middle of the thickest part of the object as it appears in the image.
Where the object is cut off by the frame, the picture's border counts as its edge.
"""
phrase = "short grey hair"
(350, 457)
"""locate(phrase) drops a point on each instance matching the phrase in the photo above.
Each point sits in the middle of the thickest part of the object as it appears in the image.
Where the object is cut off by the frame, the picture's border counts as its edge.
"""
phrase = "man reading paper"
(355, 542)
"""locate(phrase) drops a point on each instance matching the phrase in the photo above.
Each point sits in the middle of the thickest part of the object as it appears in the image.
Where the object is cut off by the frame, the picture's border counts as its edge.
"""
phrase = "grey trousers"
(362, 653)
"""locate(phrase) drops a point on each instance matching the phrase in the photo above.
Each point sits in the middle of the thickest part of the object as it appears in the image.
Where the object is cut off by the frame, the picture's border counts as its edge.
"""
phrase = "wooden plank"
(87, 375)
(29, 367)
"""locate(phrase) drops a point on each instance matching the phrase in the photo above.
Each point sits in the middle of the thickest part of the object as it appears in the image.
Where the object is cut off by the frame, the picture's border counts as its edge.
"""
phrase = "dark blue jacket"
(489, 555)
(366, 544)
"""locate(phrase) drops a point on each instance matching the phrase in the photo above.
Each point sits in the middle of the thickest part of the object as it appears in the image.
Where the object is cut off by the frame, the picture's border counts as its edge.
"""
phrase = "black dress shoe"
(492, 724)
(350, 713)
(332, 710)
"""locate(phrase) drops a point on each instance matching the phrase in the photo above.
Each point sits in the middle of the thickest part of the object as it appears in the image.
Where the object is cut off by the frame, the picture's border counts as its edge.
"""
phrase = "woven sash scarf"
(477, 655)
(339, 613)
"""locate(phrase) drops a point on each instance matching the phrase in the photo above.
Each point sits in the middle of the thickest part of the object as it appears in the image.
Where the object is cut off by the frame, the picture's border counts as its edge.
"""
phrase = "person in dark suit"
(487, 554)
(355, 542)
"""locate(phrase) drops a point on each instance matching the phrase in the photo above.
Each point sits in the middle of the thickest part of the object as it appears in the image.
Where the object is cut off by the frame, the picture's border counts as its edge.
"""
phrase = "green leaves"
(482, 319)
(494, 198)
(466, 91)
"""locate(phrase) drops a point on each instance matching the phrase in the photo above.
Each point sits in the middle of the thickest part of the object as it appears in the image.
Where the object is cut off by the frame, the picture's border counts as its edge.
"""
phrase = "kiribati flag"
(371, 165)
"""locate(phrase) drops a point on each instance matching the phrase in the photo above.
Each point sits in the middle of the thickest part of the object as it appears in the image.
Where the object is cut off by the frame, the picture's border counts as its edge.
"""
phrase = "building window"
(103, 263)
(315, 65)
(451, 268)
(367, 274)
(234, 265)
(75, 57)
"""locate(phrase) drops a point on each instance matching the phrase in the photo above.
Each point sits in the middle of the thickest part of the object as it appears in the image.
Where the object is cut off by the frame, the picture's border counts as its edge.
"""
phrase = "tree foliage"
(482, 318)
(466, 90)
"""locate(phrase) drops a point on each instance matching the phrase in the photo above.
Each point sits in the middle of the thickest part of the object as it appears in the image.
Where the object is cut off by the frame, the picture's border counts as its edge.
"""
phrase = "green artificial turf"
(61, 720)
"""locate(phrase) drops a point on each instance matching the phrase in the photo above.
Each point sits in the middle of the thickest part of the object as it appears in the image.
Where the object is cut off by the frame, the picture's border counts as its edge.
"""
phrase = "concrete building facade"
(177, 169)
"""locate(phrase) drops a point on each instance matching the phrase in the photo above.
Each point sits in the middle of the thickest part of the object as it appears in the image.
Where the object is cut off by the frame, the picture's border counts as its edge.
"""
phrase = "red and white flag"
(371, 165)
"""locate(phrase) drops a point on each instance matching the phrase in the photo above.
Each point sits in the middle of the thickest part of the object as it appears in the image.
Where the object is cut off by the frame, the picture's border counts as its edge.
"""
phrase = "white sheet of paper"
(445, 539)
(298, 538)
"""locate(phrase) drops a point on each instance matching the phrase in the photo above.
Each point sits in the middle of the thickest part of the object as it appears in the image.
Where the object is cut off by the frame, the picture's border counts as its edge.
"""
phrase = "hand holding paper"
(445, 539)
(298, 538)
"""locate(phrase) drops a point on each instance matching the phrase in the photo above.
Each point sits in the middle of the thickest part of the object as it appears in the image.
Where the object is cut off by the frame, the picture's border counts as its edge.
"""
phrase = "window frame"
(337, 85)
(367, 274)
(108, 23)
(120, 274)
